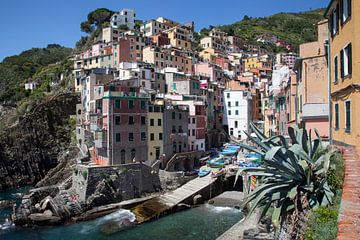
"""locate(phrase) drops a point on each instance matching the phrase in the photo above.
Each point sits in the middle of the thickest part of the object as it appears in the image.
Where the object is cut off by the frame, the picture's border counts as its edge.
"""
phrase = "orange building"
(344, 67)
(312, 83)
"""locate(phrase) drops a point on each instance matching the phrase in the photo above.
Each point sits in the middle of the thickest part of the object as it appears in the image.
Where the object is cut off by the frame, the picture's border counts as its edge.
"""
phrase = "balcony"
(109, 94)
(101, 139)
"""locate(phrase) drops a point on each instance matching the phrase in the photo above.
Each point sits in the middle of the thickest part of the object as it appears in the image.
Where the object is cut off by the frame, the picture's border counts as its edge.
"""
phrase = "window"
(229, 104)
(346, 60)
(173, 130)
(131, 104)
(117, 120)
(143, 120)
(236, 112)
(227, 95)
(236, 103)
(131, 120)
(117, 137)
(143, 136)
(152, 137)
(193, 132)
(180, 116)
(347, 116)
(117, 103)
(336, 118)
(236, 124)
(334, 18)
(159, 122)
(336, 67)
(151, 122)
(229, 112)
(173, 115)
(133, 154)
(160, 136)
(193, 120)
(131, 137)
(180, 129)
(346, 10)
(143, 105)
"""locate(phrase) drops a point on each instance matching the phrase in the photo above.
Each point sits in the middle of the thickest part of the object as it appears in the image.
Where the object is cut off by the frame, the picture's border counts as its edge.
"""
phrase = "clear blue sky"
(35, 23)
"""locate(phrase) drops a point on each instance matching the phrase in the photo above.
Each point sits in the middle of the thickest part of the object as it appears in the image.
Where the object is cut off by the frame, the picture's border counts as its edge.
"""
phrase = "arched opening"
(122, 156)
(133, 154)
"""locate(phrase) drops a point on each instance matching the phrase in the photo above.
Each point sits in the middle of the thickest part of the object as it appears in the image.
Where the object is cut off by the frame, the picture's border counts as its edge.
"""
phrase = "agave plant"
(292, 177)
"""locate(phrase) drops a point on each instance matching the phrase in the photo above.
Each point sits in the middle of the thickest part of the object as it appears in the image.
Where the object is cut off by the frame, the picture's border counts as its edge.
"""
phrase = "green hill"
(293, 28)
(17, 69)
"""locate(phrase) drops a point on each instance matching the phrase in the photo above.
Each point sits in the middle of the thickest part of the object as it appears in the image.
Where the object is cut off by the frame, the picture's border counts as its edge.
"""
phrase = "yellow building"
(257, 62)
(180, 37)
(208, 55)
(155, 131)
(344, 58)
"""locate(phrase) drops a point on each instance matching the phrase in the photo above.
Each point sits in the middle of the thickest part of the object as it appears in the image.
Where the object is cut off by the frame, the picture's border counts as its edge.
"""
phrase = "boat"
(191, 173)
(203, 172)
(204, 159)
(249, 165)
(217, 162)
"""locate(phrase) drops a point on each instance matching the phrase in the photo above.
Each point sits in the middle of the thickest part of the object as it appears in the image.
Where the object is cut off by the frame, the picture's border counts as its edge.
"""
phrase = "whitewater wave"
(117, 220)
(218, 209)
(6, 225)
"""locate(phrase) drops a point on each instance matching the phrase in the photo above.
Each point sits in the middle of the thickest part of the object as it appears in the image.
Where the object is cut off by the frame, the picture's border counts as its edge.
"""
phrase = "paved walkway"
(157, 206)
(349, 219)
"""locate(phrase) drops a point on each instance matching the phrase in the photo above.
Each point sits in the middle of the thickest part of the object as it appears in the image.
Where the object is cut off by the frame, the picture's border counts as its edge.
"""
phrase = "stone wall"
(95, 184)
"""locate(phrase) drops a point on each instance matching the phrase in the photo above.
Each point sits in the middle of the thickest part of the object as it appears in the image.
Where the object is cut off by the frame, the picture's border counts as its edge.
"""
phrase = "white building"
(217, 39)
(124, 17)
(30, 86)
(110, 34)
(237, 112)
(153, 27)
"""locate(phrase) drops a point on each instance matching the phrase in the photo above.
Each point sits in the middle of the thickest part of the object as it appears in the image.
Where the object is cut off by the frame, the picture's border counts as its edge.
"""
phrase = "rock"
(44, 219)
(6, 203)
(48, 213)
(37, 206)
(198, 199)
(44, 203)
(29, 149)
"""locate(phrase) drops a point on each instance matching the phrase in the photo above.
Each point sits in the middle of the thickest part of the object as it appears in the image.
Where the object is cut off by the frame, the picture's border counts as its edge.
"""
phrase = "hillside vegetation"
(16, 70)
(294, 28)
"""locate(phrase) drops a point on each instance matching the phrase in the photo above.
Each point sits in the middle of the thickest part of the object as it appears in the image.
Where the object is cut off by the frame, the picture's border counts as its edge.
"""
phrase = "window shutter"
(331, 24)
(350, 58)
(349, 7)
(341, 12)
(342, 63)
(337, 17)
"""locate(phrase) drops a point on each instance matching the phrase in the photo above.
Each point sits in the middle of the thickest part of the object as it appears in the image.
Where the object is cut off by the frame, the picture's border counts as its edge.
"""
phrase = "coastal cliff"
(31, 147)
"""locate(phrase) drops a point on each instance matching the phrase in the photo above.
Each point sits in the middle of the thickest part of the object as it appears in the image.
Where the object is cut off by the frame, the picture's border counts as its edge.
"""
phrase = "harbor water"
(206, 222)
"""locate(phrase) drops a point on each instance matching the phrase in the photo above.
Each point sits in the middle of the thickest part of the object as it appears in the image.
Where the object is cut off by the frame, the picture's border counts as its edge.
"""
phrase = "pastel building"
(124, 17)
(168, 57)
(123, 135)
(237, 112)
(313, 91)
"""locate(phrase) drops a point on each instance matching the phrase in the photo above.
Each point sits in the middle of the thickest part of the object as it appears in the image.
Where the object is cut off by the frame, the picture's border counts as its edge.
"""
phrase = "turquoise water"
(204, 223)
(13, 195)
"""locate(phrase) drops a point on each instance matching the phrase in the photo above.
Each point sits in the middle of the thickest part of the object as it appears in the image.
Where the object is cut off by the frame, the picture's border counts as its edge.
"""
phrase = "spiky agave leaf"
(289, 171)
